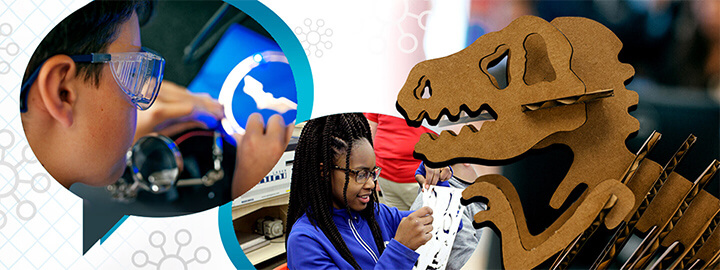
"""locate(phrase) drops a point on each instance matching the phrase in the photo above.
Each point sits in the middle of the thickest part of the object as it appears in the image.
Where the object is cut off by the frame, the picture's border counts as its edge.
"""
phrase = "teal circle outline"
(291, 47)
(302, 74)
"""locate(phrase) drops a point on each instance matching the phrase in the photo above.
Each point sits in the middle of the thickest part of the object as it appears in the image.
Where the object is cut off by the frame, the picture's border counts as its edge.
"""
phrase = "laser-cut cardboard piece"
(594, 60)
(688, 230)
(505, 216)
(560, 76)
(461, 82)
(709, 249)
(641, 257)
(582, 98)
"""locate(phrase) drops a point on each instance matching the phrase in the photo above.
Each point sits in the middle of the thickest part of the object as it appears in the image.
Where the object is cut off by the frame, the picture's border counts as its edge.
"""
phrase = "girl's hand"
(415, 229)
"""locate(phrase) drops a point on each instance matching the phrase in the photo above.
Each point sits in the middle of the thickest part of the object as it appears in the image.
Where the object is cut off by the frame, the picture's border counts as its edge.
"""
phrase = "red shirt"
(394, 145)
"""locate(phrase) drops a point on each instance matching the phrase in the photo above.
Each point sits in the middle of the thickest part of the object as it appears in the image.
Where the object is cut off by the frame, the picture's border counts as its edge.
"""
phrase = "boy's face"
(107, 116)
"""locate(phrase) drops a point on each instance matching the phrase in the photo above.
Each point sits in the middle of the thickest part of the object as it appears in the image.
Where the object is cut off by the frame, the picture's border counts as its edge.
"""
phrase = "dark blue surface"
(237, 44)
(292, 48)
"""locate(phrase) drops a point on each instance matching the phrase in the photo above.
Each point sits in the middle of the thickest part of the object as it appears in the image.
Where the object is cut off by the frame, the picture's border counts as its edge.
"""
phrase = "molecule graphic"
(312, 38)
(40, 182)
(12, 49)
(410, 38)
(171, 261)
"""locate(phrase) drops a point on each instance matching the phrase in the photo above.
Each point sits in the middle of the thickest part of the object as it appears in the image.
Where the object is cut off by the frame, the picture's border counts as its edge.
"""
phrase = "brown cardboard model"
(566, 86)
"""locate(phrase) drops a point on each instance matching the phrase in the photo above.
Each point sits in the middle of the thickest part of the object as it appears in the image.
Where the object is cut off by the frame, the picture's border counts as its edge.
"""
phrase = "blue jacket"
(421, 171)
(309, 248)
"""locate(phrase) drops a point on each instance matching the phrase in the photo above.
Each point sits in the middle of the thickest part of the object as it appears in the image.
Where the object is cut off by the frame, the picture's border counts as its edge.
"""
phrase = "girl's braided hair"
(321, 142)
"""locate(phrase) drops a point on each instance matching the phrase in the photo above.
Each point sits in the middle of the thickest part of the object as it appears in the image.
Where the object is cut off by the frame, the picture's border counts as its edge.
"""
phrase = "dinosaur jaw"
(473, 143)
(459, 128)
(416, 104)
(509, 133)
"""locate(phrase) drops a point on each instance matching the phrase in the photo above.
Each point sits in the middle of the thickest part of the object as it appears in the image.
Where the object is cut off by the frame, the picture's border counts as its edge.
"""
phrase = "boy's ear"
(57, 88)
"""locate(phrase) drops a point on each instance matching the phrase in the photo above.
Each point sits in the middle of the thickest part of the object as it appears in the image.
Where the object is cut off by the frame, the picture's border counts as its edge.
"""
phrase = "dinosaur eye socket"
(495, 66)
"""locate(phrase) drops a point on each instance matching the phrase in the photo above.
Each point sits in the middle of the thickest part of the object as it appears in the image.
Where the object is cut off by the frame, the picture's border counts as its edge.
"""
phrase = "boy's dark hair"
(88, 30)
(322, 140)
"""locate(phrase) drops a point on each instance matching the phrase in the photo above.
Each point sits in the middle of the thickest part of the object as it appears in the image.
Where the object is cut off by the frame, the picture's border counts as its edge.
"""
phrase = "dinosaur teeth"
(457, 120)
(469, 128)
(450, 132)
(463, 117)
(457, 124)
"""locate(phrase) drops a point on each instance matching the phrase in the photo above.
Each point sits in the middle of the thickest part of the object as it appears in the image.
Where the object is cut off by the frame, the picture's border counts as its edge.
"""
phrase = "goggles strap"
(91, 58)
(25, 89)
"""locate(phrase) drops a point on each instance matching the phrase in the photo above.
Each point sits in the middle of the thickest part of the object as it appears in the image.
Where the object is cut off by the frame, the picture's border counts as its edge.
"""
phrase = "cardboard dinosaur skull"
(538, 69)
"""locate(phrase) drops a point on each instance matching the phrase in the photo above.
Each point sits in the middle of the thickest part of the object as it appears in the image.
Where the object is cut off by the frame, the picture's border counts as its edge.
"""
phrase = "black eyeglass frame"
(376, 170)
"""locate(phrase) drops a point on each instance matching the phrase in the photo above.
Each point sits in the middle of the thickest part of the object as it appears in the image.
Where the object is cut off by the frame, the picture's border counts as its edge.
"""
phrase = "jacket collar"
(341, 216)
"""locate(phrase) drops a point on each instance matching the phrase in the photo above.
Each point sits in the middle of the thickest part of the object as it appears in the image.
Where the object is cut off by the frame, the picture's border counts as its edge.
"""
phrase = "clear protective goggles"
(139, 74)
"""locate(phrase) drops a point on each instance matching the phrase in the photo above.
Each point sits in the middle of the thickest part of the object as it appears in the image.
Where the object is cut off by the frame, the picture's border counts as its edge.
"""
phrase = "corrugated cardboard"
(694, 221)
(710, 249)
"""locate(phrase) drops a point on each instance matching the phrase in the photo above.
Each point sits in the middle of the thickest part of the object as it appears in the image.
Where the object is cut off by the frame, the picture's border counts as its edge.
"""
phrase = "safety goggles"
(139, 75)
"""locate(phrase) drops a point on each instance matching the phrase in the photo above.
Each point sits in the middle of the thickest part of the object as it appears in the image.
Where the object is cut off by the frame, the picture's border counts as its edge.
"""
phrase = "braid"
(347, 175)
(321, 141)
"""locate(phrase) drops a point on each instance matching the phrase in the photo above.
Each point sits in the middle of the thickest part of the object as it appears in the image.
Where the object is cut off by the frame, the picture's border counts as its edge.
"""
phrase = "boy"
(79, 120)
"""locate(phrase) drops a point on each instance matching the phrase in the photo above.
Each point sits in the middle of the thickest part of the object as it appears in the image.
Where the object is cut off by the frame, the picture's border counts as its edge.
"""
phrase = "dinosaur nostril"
(426, 91)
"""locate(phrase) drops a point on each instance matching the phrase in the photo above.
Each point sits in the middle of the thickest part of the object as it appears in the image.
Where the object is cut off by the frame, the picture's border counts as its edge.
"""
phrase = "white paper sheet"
(447, 211)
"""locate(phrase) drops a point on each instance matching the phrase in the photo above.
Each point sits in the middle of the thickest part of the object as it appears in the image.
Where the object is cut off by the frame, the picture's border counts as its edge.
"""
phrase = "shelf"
(275, 248)
(244, 209)
(245, 215)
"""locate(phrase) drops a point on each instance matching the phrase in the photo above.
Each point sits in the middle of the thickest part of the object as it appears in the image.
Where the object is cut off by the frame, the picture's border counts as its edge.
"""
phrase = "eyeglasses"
(139, 75)
(362, 176)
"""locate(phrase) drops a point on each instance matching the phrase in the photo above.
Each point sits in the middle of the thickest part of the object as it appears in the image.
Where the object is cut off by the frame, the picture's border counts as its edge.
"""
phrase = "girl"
(334, 220)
